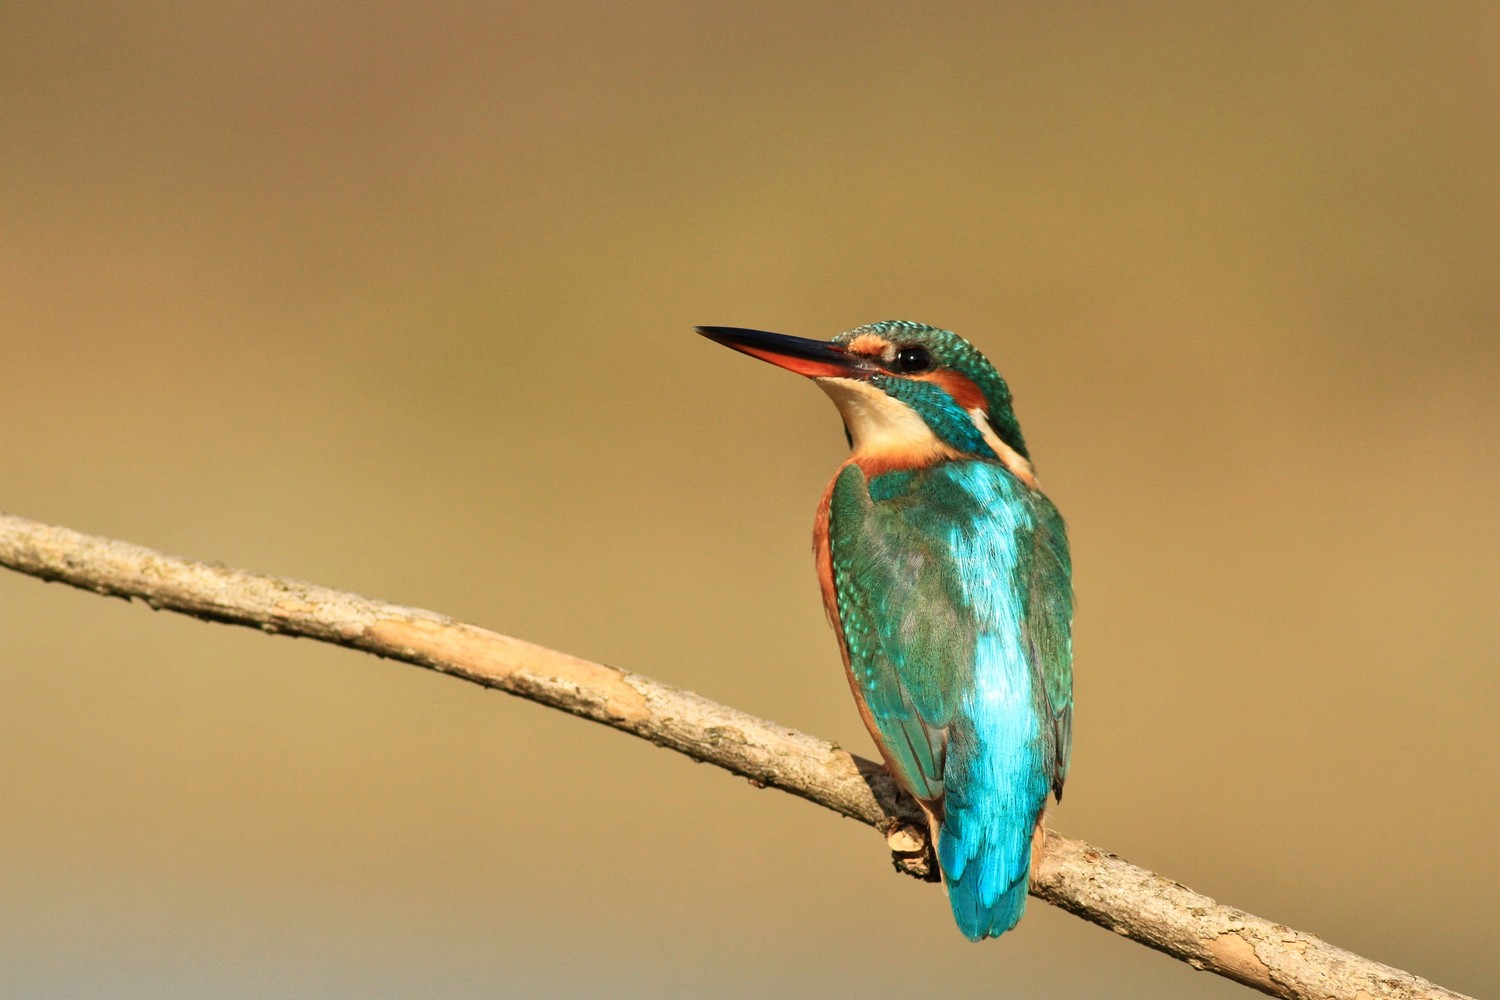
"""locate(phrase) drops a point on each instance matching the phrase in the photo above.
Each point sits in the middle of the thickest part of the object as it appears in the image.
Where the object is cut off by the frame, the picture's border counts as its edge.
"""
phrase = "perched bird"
(946, 574)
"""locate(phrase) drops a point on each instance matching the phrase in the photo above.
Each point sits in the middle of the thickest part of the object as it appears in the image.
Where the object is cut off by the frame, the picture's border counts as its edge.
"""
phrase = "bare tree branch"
(1081, 879)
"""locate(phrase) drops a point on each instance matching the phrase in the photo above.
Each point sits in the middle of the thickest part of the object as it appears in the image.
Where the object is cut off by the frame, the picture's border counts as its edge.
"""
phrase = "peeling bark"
(1075, 876)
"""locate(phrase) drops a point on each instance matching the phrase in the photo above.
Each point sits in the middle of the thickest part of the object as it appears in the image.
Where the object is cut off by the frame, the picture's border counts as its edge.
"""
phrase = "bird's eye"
(913, 359)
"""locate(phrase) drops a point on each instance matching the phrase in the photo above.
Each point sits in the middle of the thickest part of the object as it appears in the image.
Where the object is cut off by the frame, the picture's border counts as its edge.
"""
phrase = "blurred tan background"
(400, 299)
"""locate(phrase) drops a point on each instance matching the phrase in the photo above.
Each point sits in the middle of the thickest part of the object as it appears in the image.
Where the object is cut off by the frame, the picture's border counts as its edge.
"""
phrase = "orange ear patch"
(964, 392)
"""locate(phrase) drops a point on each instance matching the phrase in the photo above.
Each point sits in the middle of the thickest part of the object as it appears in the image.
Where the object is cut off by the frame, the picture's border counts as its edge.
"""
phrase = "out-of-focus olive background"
(399, 299)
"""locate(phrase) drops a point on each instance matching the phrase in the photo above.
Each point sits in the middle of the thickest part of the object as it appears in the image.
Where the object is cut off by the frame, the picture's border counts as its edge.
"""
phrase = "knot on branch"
(912, 851)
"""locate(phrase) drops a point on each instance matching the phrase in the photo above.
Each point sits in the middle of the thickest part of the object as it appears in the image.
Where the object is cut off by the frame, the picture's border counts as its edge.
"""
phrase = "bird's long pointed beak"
(813, 358)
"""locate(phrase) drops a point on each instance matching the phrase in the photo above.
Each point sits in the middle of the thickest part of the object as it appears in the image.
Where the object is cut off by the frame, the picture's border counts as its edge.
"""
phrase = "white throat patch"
(878, 423)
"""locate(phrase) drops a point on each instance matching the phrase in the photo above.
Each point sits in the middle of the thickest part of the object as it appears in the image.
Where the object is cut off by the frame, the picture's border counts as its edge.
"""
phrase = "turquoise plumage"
(946, 572)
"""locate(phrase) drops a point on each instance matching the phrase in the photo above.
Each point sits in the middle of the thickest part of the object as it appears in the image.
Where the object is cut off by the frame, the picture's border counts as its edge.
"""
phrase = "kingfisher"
(945, 572)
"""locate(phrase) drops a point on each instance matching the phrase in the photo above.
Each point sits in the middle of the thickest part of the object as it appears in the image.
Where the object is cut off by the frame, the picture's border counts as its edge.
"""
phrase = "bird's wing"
(1048, 629)
(901, 626)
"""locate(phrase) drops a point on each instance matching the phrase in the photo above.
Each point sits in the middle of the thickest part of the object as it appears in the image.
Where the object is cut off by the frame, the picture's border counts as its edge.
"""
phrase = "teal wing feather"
(952, 588)
(1048, 629)
(902, 628)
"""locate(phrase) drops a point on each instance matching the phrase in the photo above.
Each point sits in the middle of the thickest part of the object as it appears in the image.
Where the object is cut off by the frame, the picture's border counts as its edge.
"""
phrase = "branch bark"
(1073, 875)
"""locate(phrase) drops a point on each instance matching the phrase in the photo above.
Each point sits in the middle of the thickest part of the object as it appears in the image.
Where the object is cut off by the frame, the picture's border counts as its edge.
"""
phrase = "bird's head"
(910, 394)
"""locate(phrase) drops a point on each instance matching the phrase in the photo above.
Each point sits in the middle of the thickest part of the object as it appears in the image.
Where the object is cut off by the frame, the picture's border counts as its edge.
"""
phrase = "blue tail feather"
(988, 878)
(979, 919)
